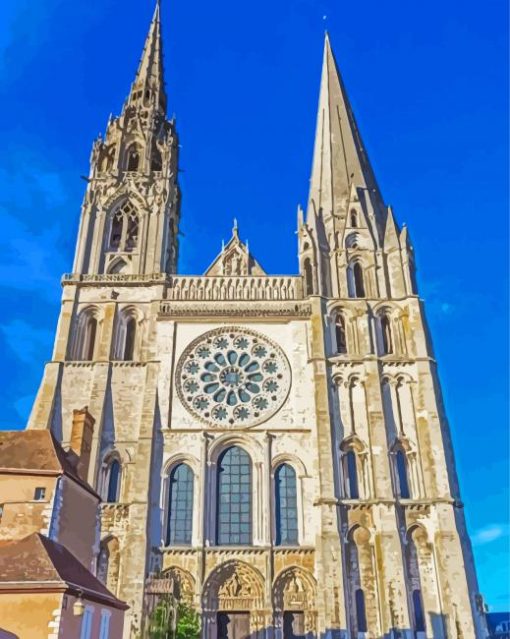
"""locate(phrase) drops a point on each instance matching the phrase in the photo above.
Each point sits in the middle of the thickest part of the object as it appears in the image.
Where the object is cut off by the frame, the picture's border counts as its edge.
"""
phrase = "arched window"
(350, 468)
(307, 267)
(361, 617)
(233, 512)
(354, 219)
(286, 506)
(359, 284)
(156, 161)
(341, 342)
(113, 482)
(102, 563)
(386, 337)
(86, 336)
(129, 343)
(132, 158)
(401, 475)
(124, 229)
(180, 505)
(419, 617)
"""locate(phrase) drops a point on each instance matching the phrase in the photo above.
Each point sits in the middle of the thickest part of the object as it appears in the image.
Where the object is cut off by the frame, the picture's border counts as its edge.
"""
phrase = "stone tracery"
(233, 376)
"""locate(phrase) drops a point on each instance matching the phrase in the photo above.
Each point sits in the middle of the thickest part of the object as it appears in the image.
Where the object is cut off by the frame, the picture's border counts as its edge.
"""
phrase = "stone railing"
(214, 288)
(115, 278)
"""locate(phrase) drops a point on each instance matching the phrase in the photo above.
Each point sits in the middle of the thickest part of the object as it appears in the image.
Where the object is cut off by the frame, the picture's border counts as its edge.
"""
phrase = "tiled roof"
(37, 559)
(33, 450)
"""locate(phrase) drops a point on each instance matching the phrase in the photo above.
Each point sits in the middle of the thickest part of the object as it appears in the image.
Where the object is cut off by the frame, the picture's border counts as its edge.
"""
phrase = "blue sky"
(428, 83)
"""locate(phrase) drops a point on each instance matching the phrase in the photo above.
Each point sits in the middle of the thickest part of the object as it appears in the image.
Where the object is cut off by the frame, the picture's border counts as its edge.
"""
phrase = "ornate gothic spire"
(340, 160)
(149, 82)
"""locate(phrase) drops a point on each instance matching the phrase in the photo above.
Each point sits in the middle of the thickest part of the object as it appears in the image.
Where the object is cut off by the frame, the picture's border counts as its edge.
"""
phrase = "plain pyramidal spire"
(149, 80)
(340, 160)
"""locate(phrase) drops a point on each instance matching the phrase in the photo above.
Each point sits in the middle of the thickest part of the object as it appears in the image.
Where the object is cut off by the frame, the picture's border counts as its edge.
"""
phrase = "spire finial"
(148, 86)
(235, 228)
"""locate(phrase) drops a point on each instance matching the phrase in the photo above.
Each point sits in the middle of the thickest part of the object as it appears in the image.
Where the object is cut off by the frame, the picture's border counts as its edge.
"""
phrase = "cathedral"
(272, 450)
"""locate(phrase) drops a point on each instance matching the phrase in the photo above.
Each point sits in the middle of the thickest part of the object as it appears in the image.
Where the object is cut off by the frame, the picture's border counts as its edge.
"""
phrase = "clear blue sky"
(428, 82)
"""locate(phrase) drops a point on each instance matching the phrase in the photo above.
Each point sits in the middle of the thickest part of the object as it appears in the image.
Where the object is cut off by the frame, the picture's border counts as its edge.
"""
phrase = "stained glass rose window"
(233, 377)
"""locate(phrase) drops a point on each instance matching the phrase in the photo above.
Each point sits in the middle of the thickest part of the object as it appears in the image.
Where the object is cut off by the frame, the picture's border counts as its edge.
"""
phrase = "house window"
(286, 506)
(233, 525)
(104, 626)
(86, 623)
(180, 505)
(39, 493)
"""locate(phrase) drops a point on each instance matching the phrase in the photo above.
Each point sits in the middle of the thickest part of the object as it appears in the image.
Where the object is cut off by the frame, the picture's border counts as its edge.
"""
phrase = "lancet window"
(350, 473)
(286, 518)
(340, 336)
(86, 335)
(132, 158)
(401, 475)
(308, 273)
(180, 505)
(112, 482)
(124, 229)
(234, 496)
(356, 282)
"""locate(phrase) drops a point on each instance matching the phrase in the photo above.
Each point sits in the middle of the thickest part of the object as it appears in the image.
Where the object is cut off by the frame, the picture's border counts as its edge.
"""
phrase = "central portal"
(233, 625)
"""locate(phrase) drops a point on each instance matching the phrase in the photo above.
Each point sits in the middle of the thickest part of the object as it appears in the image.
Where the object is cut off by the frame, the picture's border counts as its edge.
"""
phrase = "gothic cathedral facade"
(274, 447)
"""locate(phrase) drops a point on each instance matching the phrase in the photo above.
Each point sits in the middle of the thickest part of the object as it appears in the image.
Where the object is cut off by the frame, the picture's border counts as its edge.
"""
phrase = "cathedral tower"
(273, 450)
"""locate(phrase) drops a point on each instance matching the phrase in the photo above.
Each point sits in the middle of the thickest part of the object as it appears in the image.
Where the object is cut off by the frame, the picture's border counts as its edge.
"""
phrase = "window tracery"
(233, 376)
(124, 229)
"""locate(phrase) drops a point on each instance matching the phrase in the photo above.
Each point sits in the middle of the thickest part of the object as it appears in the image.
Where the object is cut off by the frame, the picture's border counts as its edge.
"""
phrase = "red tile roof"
(33, 450)
(37, 559)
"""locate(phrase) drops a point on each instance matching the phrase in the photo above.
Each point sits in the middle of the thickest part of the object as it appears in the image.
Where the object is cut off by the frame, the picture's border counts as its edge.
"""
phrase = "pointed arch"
(127, 334)
(386, 336)
(308, 276)
(124, 228)
(354, 218)
(110, 478)
(356, 280)
(401, 469)
(156, 160)
(86, 337)
(416, 537)
(340, 333)
(352, 454)
(286, 506)
(132, 157)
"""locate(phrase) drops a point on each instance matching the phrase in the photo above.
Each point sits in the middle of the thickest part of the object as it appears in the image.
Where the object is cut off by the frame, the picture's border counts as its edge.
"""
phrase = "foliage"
(162, 621)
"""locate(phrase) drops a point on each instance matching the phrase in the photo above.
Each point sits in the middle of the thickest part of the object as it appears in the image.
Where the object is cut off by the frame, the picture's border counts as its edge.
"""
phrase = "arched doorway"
(233, 603)
(294, 596)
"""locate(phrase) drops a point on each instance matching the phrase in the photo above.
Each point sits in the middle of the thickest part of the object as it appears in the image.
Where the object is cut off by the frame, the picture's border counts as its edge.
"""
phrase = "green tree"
(172, 620)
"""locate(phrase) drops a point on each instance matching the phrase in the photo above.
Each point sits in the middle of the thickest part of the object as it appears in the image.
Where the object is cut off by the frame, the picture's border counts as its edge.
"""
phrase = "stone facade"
(328, 375)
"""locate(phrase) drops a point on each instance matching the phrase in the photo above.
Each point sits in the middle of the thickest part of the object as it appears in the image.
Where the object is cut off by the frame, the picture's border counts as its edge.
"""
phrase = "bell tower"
(130, 214)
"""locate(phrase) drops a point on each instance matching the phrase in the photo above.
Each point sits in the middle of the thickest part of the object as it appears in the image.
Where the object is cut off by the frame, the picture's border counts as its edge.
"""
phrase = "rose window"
(233, 377)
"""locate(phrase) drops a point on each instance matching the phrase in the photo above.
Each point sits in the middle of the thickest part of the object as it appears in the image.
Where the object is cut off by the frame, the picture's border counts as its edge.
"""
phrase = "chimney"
(81, 439)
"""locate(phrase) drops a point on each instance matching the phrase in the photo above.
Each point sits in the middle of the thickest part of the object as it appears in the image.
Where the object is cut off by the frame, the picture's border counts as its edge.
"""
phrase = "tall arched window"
(361, 616)
(233, 511)
(286, 518)
(401, 475)
(180, 505)
(124, 229)
(86, 334)
(354, 219)
(129, 342)
(350, 468)
(341, 342)
(359, 284)
(132, 158)
(307, 267)
(386, 337)
(113, 481)
(416, 537)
